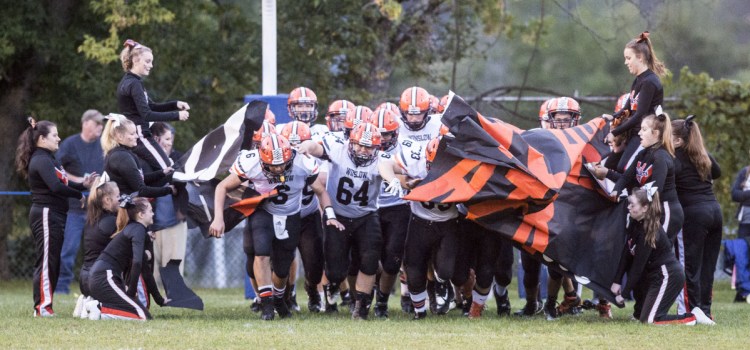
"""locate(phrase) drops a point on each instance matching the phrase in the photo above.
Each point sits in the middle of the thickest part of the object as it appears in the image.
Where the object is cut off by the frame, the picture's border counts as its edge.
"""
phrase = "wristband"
(330, 215)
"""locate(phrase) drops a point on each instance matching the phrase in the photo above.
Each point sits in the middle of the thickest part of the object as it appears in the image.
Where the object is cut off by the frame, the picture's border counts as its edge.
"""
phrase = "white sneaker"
(84, 310)
(93, 308)
(79, 306)
(701, 317)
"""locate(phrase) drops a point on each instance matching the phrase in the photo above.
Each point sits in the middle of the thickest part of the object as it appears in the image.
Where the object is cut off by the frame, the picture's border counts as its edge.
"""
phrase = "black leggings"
(311, 248)
(663, 284)
(429, 241)
(486, 252)
(701, 235)
(108, 287)
(361, 237)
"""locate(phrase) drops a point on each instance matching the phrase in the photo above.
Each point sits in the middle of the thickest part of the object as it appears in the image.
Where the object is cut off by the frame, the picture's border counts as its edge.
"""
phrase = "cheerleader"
(649, 260)
(115, 275)
(50, 190)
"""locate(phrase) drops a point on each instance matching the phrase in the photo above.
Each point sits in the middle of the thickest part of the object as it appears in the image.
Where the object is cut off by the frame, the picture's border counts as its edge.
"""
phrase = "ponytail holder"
(102, 180)
(643, 37)
(132, 44)
(115, 118)
(32, 122)
(650, 191)
(126, 201)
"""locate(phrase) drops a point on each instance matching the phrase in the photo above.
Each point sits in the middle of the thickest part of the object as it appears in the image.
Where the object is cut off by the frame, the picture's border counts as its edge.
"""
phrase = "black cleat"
(256, 306)
(331, 291)
(267, 313)
(503, 304)
(530, 309)
(442, 297)
(381, 304)
(406, 305)
(466, 306)
(281, 307)
(419, 315)
(313, 300)
(550, 309)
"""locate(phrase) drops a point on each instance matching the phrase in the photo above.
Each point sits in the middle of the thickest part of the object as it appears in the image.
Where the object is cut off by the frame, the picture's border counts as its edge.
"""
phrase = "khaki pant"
(169, 244)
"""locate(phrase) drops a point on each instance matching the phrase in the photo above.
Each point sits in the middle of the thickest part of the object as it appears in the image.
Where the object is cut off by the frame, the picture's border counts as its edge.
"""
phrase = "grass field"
(227, 322)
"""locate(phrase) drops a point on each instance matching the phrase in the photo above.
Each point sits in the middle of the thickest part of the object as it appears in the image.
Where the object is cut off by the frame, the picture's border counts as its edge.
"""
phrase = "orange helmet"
(367, 135)
(563, 105)
(356, 116)
(415, 101)
(387, 123)
(303, 104)
(391, 106)
(296, 132)
(337, 114)
(543, 111)
(270, 117)
(621, 102)
(275, 151)
(434, 102)
(266, 129)
(431, 151)
(442, 104)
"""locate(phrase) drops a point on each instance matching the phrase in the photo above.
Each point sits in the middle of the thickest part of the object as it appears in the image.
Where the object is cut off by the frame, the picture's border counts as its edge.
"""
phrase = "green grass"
(228, 323)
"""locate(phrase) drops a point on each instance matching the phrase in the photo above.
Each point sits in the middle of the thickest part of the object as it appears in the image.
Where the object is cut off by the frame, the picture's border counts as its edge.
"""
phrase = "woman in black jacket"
(114, 278)
(50, 190)
(646, 92)
(134, 103)
(650, 262)
(118, 140)
(695, 171)
(101, 215)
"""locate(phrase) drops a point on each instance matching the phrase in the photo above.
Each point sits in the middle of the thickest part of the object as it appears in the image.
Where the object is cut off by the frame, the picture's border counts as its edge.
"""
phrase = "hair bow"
(32, 122)
(126, 200)
(102, 180)
(132, 44)
(643, 37)
(689, 122)
(115, 118)
(650, 190)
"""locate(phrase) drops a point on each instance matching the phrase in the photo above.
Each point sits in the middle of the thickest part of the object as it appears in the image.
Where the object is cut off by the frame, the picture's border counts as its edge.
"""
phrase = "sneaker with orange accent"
(475, 312)
(605, 310)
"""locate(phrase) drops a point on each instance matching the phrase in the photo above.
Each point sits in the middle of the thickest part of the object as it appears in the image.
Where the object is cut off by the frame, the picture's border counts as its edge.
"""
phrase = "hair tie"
(650, 190)
(115, 118)
(132, 44)
(643, 37)
(32, 122)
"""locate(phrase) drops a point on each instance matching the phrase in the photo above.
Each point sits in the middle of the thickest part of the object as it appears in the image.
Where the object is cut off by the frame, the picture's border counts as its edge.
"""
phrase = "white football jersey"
(289, 198)
(353, 190)
(386, 199)
(423, 136)
(414, 163)
(310, 202)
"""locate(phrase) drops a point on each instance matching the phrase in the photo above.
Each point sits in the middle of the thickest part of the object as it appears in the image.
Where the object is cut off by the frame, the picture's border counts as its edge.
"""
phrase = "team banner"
(214, 153)
(531, 186)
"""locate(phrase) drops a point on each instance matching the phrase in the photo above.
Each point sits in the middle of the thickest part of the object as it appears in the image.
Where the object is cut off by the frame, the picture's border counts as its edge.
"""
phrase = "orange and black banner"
(531, 186)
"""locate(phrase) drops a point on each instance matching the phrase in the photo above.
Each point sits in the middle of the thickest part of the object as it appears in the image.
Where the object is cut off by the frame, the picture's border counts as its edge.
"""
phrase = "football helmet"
(303, 104)
(276, 156)
(417, 103)
(563, 105)
(337, 114)
(364, 142)
(356, 116)
(387, 123)
(266, 129)
(296, 132)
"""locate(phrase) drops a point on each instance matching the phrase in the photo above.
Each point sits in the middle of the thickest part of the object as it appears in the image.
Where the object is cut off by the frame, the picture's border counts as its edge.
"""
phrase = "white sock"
(478, 298)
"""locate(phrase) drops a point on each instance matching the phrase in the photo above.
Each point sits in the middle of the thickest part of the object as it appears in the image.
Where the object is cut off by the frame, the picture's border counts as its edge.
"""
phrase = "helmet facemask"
(304, 111)
(366, 155)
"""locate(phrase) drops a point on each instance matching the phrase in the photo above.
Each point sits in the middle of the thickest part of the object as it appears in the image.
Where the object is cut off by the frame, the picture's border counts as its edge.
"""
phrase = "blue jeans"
(71, 243)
